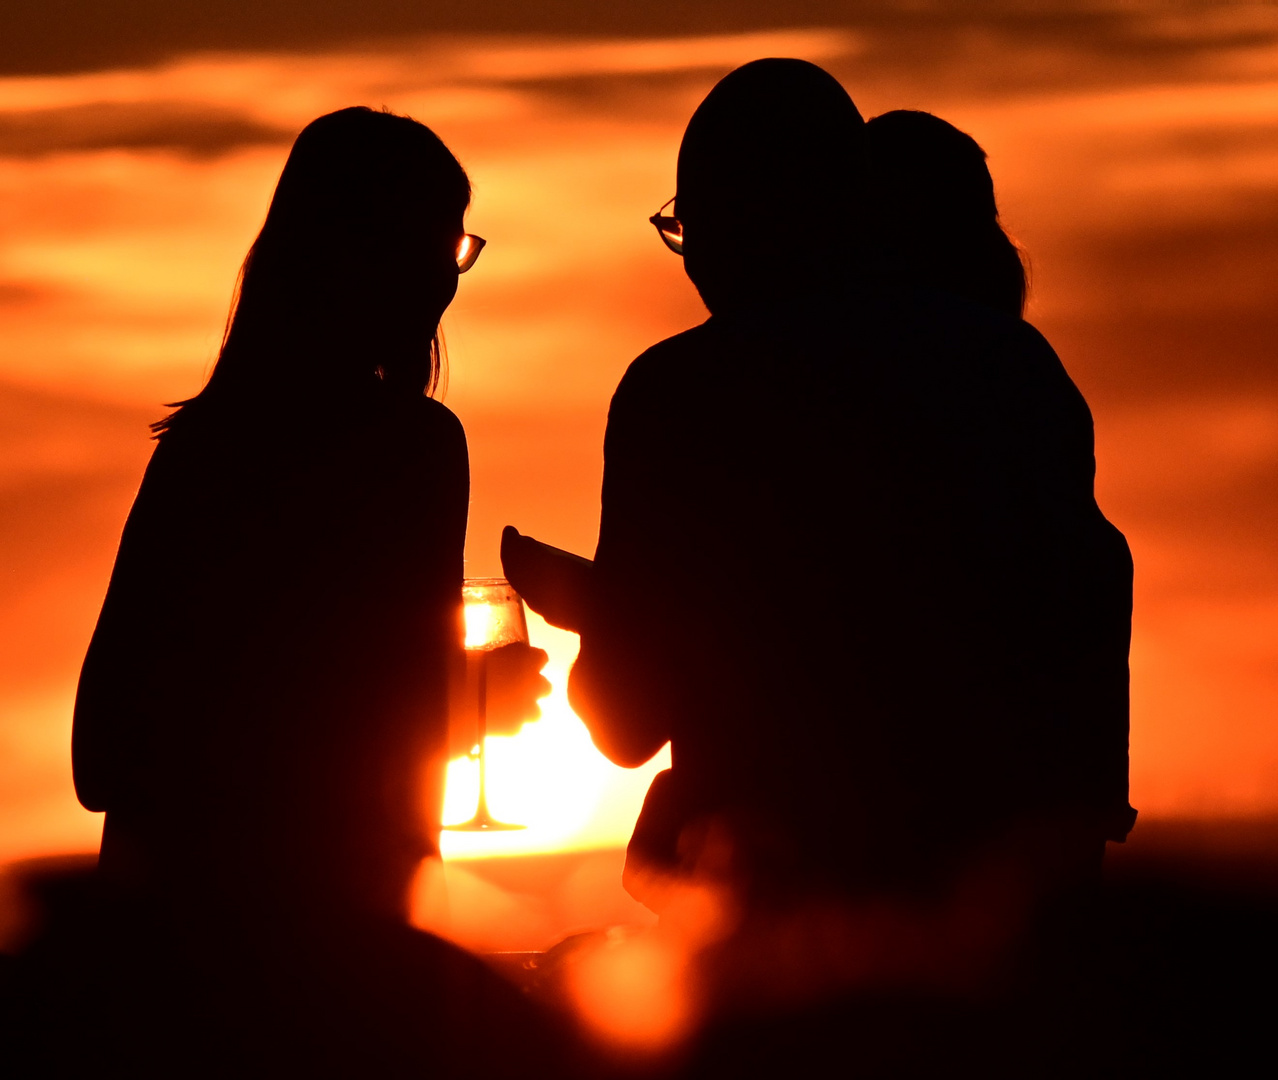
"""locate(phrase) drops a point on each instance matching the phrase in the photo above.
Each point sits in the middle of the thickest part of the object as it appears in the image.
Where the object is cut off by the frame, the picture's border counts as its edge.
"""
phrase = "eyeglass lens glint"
(669, 228)
(468, 250)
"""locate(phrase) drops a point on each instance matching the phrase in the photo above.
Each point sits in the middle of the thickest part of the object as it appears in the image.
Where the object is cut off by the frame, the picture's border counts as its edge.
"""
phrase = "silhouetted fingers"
(554, 583)
(515, 558)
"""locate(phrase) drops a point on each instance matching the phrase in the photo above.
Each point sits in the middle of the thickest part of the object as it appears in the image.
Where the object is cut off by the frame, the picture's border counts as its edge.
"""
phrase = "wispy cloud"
(181, 127)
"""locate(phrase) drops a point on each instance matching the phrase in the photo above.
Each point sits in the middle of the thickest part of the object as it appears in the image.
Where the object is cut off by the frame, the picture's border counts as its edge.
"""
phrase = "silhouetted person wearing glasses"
(262, 710)
(850, 564)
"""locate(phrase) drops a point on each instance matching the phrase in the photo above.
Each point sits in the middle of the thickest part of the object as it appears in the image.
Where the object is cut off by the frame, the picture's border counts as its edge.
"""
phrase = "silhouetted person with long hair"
(934, 222)
(850, 564)
(262, 710)
(935, 227)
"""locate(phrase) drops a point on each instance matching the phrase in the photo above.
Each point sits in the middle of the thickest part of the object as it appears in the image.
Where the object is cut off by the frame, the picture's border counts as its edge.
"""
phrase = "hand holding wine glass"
(505, 672)
(514, 686)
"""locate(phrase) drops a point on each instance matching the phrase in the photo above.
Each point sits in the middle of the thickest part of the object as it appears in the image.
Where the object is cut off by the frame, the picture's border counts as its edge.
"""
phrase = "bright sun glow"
(549, 777)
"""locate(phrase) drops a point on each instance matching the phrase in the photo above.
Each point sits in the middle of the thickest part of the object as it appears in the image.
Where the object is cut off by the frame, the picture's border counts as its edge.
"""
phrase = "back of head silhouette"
(356, 259)
(935, 221)
(769, 171)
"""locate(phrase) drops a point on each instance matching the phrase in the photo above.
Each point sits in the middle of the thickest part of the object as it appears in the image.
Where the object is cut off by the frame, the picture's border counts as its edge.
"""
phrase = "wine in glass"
(494, 617)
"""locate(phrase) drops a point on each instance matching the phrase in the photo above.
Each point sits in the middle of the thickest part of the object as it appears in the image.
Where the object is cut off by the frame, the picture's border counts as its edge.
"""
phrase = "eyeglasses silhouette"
(468, 250)
(670, 229)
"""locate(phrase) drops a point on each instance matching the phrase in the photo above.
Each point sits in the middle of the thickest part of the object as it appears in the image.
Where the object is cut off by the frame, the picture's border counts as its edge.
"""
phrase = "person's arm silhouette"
(568, 592)
(638, 638)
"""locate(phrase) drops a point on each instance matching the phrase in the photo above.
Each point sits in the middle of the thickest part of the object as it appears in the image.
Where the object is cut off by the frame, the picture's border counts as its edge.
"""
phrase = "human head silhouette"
(342, 291)
(934, 215)
(768, 181)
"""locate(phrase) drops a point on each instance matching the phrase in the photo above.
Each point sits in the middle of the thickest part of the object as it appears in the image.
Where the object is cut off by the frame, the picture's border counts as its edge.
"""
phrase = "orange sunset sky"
(1135, 152)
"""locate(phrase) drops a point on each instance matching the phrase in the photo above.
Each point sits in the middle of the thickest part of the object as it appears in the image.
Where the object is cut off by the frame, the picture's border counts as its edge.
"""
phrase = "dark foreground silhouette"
(124, 986)
(1161, 973)
(262, 712)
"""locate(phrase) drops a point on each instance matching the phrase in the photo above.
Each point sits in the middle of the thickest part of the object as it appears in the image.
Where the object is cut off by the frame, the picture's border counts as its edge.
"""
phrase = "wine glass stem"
(481, 710)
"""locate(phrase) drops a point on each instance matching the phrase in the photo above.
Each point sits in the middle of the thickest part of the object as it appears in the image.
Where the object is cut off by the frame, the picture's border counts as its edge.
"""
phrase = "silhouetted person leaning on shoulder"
(262, 710)
(936, 230)
(850, 564)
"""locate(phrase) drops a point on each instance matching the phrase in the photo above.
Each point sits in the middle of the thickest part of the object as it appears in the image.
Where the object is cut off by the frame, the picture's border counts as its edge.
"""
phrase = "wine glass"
(494, 617)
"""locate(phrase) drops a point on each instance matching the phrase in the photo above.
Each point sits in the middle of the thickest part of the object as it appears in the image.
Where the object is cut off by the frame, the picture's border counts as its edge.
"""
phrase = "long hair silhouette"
(335, 276)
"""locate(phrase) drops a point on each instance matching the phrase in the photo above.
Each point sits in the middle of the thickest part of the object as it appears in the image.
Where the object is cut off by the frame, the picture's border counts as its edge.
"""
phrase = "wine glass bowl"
(493, 614)
(493, 617)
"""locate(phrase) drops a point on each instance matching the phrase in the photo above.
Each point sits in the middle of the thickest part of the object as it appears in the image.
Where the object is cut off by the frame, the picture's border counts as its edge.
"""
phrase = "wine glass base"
(483, 823)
